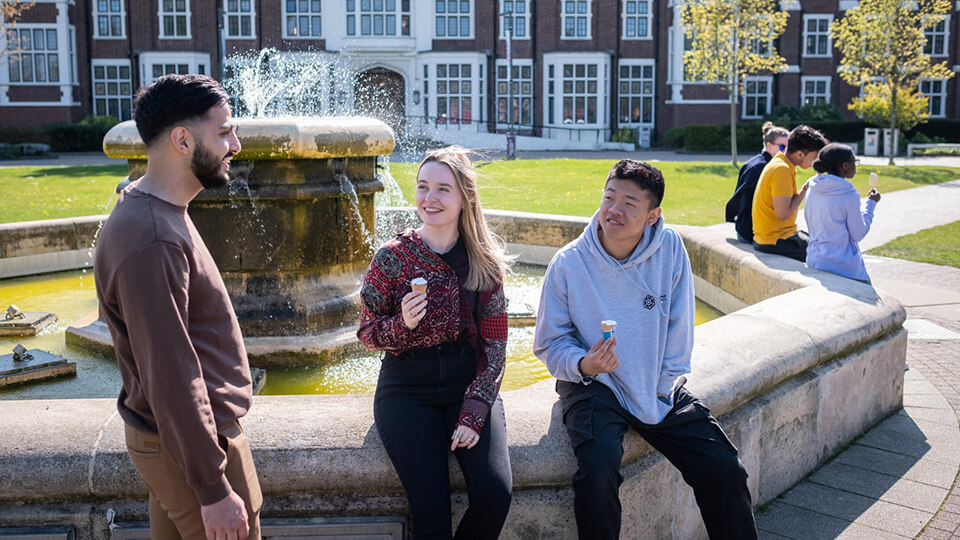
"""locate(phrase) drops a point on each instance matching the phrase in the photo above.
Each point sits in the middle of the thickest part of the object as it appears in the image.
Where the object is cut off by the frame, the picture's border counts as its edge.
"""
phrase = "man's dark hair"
(644, 175)
(805, 139)
(172, 100)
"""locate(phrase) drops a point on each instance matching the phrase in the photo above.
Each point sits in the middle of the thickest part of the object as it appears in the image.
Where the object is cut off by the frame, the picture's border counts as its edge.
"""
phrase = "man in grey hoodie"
(628, 267)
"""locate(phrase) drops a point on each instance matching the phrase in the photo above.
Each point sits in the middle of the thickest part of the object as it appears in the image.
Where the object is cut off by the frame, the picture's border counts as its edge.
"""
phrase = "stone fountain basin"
(803, 363)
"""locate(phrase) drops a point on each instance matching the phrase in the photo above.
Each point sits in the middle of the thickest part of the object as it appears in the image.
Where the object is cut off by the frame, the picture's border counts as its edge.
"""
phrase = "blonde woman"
(444, 352)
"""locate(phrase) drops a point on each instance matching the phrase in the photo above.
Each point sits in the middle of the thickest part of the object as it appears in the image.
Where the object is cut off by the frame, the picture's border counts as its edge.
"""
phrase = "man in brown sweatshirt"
(186, 380)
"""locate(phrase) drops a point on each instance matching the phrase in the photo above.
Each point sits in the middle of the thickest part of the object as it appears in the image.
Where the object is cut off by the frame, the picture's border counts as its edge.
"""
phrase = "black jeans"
(689, 437)
(416, 408)
(794, 247)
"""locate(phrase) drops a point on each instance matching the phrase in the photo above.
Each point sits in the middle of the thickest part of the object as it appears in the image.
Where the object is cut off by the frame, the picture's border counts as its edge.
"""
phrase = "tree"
(10, 45)
(731, 40)
(881, 44)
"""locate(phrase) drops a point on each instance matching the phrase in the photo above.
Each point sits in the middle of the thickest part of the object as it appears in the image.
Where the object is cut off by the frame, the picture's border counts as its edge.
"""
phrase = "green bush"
(624, 135)
(17, 135)
(84, 136)
(674, 138)
(714, 138)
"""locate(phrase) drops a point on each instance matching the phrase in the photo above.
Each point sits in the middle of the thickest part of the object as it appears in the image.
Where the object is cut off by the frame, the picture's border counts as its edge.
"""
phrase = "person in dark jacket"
(738, 207)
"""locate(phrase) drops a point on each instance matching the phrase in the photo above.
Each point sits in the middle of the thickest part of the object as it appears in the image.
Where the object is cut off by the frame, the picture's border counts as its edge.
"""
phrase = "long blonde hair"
(489, 262)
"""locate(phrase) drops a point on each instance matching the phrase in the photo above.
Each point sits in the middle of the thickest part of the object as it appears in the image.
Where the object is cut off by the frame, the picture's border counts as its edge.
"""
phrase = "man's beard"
(206, 167)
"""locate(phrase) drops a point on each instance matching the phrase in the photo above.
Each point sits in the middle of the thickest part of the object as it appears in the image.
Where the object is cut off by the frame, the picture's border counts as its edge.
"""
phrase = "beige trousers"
(174, 508)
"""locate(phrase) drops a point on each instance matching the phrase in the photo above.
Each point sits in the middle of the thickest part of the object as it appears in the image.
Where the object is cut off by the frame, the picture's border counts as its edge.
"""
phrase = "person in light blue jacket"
(628, 267)
(835, 221)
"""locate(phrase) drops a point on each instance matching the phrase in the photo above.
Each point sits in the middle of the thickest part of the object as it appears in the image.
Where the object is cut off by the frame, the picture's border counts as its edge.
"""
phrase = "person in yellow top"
(776, 200)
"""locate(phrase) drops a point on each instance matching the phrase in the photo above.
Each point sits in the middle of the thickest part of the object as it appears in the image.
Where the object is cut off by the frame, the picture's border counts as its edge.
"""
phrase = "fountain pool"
(72, 295)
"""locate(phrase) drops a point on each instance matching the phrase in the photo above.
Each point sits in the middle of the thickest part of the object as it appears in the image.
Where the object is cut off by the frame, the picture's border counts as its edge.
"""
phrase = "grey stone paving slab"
(916, 427)
(798, 523)
(919, 387)
(767, 535)
(925, 400)
(884, 462)
(861, 532)
(940, 416)
(911, 446)
(894, 518)
(888, 488)
(828, 500)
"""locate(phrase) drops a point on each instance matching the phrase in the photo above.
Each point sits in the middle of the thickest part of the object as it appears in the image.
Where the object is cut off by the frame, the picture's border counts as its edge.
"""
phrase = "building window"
(816, 35)
(239, 18)
(756, 96)
(157, 64)
(636, 94)
(112, 89)
(301, 19)
(814, 90)
(517, 90)
(39, 60)
(454, 90)
(174, 18)
(936, 44)
(576, 19)
(378, 17)
(579, 92)
(454, 19)
(108, 17)
(936, 92)
(636, 19)
(518, 21)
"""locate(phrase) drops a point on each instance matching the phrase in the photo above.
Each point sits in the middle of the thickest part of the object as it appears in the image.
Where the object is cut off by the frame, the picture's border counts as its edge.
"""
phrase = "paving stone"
(914, 427)
(828, 500)
(925, 400)
(895, 518)
(856, 531)
(799, 523)
(911, 468)
(888, 488)
(920, 448)
(940, 416)
(919, 387)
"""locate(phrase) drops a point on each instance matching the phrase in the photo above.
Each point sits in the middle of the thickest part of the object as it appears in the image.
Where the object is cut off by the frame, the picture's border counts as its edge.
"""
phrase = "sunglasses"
(783, 147)
(856, 162)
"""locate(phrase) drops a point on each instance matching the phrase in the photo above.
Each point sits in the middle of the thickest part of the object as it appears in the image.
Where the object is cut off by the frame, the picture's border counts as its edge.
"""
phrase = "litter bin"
(890, 141)
(511, 145)
(643, 137)
(871, 141)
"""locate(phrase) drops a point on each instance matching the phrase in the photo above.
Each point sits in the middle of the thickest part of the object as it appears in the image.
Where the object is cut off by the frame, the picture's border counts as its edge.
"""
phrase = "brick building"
(580, 68)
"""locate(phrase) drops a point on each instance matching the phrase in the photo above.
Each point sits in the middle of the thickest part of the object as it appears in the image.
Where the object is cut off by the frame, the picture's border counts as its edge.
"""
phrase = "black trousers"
(416, 408)
(794, 247)
(689, 437)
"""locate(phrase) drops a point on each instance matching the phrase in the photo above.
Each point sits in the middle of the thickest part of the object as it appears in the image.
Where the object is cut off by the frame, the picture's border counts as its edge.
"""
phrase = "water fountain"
(804, 362)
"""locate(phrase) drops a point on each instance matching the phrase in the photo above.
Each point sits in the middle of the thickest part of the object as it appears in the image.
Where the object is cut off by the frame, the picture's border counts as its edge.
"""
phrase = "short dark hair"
(832, 157)
(172, 100)
(804, 138)
(644, 175)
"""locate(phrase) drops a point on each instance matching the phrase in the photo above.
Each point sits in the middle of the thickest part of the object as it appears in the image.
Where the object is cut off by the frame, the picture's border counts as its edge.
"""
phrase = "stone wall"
(809, 363)
(38, 247)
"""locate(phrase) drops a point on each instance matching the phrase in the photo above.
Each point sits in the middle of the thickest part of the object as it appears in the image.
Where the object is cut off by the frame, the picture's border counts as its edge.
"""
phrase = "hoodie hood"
(648, 245)
(830, 184)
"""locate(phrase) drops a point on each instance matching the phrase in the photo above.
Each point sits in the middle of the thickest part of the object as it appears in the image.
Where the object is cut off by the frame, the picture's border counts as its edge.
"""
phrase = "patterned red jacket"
(382, 327)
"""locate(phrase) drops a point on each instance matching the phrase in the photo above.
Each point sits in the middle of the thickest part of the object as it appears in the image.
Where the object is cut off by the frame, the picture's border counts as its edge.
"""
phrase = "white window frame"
(32, 53)
(807, 34)
(642, 64)
(826, 80)
(637, 18)
(191, 60)
(186, 13)
(588, 16)
(238, 12)
(574, 93)
(942, 112)
(446, 78)
(298, 17)
(931, 33)
(747, 96)
(357, 13)
(525, 16)
(518, 64)
(471, 16)
(122, 14)
(120, 96)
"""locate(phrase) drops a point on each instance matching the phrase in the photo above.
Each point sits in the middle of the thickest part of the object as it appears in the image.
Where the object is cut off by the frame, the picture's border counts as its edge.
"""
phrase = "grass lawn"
(937, 245)
(695, 195)
(35, 193)
(696, 192)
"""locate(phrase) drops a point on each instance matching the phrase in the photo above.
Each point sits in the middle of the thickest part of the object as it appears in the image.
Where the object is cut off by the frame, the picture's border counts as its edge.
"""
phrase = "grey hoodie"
(650, 295)
(836, 224)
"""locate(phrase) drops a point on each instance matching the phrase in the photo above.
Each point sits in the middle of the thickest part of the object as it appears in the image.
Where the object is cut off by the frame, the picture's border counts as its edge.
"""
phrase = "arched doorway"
(380, 93)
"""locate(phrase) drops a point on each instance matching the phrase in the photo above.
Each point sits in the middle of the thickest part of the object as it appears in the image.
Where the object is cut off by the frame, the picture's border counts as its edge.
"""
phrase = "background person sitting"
(834, 218)
(776, 200)
(739, 207)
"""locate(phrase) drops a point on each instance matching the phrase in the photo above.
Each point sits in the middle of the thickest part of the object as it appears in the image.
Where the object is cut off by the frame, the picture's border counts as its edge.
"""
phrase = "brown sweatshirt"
(175, 335)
